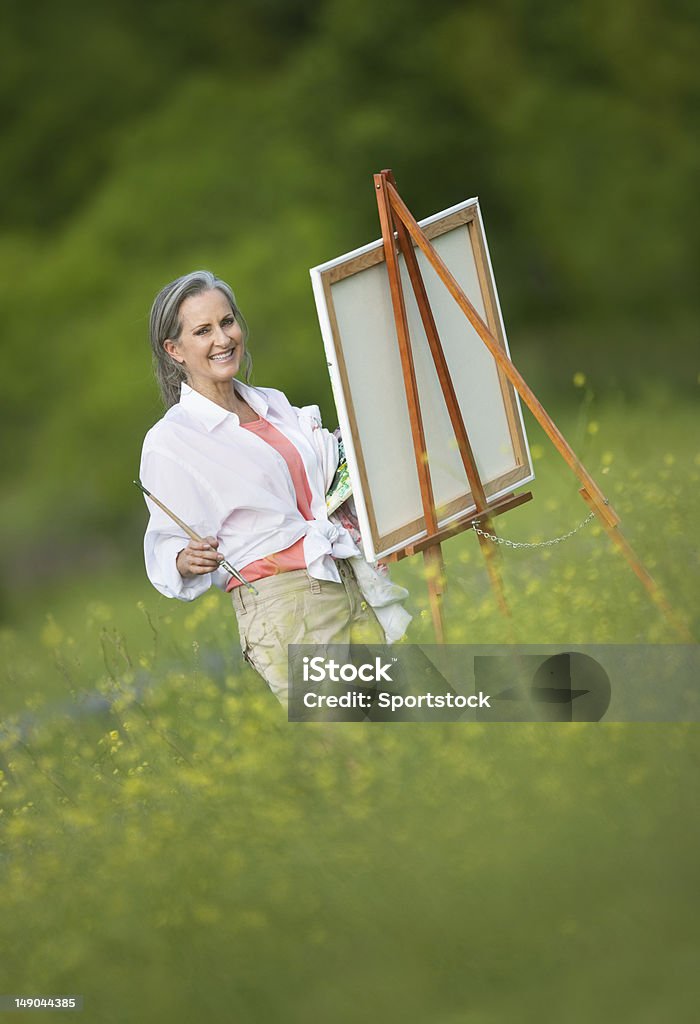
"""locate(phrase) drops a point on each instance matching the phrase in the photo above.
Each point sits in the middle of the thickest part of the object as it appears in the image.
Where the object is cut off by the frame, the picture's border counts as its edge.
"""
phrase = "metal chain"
(526, 544)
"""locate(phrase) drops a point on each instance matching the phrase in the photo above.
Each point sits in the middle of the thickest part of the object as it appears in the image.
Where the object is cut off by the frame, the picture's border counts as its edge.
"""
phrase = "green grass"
(190, 855)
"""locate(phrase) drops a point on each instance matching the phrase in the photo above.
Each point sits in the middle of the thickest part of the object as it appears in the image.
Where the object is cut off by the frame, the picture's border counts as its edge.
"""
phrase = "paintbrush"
(195, 536)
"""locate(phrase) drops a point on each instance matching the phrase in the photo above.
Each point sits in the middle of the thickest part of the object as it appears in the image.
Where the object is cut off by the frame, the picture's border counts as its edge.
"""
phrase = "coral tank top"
(292, 557)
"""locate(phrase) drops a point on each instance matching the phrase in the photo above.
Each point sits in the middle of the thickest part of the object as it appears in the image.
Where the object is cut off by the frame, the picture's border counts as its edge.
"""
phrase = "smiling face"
(210, 346)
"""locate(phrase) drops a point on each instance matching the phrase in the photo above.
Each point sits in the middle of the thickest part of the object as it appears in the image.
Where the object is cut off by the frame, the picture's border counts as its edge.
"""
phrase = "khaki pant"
(295, 608)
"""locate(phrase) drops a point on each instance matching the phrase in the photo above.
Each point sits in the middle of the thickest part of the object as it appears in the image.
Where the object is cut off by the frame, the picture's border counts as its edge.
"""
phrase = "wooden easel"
(399, 226)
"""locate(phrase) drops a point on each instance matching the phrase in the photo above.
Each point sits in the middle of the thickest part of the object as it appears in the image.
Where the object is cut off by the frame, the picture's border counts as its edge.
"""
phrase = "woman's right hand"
(199, 557)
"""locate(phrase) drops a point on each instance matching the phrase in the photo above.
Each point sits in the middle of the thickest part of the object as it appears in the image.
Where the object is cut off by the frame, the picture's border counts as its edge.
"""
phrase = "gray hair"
(165, 323)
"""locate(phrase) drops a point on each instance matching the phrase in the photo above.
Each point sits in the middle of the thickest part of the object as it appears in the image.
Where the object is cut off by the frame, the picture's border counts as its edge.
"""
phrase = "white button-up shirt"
(225, 481)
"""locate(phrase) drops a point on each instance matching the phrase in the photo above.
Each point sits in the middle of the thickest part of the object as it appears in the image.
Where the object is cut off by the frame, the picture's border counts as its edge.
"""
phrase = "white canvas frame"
(353, 302)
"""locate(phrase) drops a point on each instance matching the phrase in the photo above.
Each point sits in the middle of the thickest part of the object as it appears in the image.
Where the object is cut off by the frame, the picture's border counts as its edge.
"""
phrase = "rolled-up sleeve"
(326, 444)
(164, 539)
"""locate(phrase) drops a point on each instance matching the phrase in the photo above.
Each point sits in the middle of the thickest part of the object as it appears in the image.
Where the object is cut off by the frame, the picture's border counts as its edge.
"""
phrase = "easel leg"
(491, 559)
(435, 576)
(650, 584)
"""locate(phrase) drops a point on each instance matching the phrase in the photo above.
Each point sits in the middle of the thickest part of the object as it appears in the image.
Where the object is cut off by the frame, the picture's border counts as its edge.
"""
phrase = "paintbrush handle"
(195, 536)
(176, 519)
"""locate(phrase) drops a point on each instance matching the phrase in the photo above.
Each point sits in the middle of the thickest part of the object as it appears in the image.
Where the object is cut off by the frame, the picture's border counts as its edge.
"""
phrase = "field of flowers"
(173, 850)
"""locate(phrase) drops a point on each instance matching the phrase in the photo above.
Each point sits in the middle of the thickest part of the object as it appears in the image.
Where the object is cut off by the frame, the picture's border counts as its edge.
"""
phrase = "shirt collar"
(210, 414)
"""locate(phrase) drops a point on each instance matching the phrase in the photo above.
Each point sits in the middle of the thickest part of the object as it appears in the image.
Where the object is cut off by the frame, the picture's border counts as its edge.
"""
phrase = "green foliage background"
(143, 140)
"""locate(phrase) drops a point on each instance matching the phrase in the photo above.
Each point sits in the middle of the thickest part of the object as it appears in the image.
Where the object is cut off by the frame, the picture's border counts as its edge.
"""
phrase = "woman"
(249, 473)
